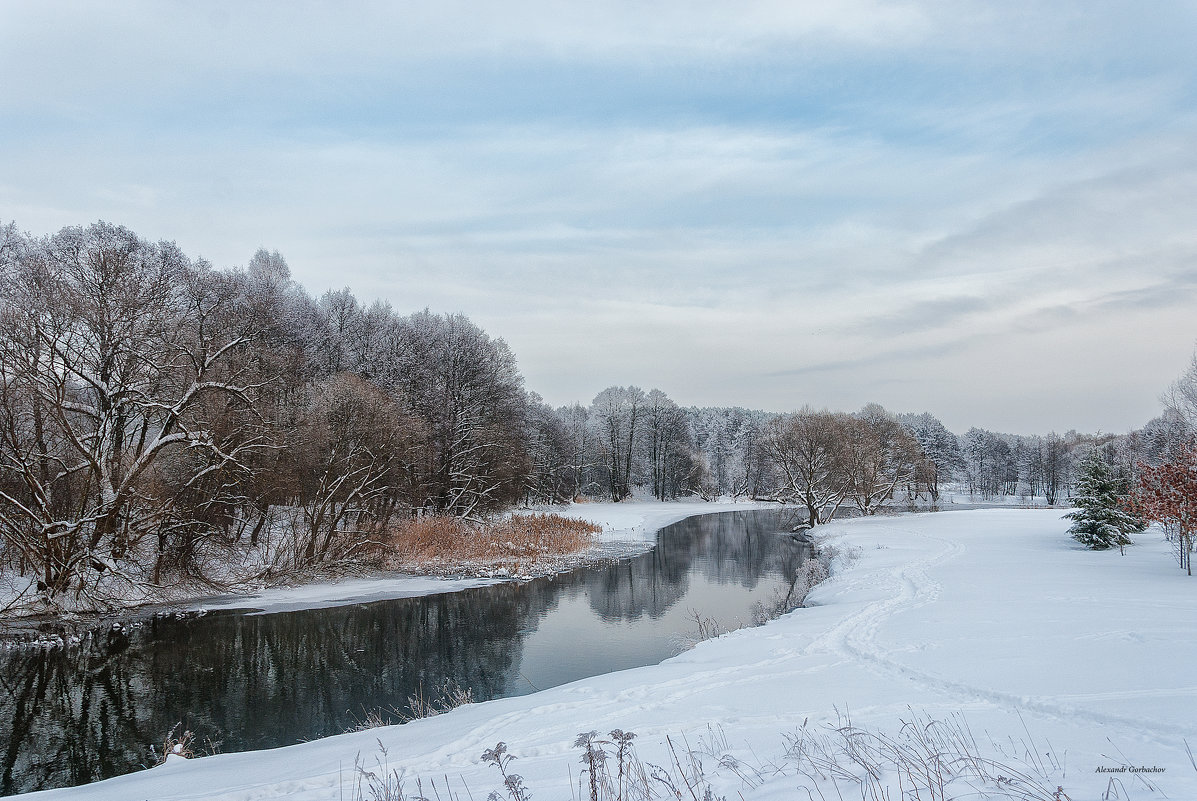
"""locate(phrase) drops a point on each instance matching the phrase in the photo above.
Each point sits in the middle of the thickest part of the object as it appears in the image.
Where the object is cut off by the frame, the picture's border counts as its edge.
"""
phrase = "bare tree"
(1055, 467)
(465, 388)
(808, 450)
(1181, 396)
(617, 412)
(110, 350)
(882, 456)
(355, 454)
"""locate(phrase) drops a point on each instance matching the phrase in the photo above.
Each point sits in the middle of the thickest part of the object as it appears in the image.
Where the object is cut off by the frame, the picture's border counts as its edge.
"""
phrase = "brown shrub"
(513, 542)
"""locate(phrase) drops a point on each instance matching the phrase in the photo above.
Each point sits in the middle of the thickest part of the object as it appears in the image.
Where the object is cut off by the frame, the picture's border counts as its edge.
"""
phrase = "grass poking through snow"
(925, 759)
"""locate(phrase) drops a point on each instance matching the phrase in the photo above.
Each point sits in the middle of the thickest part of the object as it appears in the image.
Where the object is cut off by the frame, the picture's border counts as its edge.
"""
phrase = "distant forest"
(154, 408)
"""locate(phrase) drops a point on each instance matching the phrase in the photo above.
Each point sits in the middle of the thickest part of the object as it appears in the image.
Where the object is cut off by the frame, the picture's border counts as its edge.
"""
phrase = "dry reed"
(518, 542)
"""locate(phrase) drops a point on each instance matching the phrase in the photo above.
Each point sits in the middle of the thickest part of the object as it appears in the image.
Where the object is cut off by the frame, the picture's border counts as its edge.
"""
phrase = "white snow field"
(1074, 666)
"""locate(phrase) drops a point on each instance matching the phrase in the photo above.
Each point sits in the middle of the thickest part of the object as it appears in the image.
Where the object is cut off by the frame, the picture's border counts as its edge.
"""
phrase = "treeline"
(151, 405)
(158, 413)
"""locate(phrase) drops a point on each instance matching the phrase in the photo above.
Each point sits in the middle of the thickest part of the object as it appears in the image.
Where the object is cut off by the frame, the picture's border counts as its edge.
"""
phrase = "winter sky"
(985, 210)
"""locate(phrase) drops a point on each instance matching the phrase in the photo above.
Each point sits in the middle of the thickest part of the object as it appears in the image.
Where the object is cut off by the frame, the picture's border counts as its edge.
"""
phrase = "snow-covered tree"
(1100, 520)
(673, 464)
(809, 450)
(941, 449)
(728, 439)
(882, 456)
(618, 414)
(581, 450)
(125, 384)
(550, 454)
(465, 389)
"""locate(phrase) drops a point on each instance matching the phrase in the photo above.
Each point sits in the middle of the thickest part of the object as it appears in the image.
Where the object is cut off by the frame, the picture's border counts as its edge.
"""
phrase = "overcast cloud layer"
(985, 211)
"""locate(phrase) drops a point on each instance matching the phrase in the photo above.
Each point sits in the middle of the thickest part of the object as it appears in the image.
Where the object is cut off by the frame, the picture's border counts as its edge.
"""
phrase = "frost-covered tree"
(809, 451)
(581, 450)
(941, 449)
(1100, 520)
(990, 462)
(550, 454)
(618, 414)
(672, 462)
(882, 456)
(126, 383)
(728, 438)
(1165, 436)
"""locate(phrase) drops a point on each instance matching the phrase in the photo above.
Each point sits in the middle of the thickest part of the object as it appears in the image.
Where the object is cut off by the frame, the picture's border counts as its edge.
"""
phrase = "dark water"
(70, 716)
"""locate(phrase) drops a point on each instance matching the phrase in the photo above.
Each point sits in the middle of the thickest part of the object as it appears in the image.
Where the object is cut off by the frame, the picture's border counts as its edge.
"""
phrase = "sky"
(987, 211)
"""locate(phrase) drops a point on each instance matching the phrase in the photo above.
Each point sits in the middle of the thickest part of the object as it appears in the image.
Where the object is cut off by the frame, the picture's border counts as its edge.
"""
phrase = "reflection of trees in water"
(743, 548)
(69, 715)
(729, 548)
(647, 585)
(91, 711)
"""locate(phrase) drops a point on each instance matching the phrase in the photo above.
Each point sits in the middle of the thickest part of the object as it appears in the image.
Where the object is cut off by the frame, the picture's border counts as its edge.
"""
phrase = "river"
(247, 681)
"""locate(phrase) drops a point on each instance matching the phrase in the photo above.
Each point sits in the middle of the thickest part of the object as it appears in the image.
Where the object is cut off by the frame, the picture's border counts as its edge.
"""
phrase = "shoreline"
(629, 529)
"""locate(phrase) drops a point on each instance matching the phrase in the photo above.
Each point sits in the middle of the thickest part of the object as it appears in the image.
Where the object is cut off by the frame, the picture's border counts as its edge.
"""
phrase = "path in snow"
(910, 588)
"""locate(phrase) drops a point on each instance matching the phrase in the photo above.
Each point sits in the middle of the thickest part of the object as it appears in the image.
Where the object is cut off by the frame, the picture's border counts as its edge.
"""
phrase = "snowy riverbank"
(628, 528)
(1075, 661)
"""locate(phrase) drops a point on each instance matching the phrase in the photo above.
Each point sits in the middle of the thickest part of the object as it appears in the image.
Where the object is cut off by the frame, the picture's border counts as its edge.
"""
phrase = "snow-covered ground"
(1064, 661)
(640, 520)
(344, 592)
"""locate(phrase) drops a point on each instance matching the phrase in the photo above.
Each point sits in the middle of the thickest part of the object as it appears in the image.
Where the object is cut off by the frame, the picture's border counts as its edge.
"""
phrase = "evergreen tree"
(1099, 522)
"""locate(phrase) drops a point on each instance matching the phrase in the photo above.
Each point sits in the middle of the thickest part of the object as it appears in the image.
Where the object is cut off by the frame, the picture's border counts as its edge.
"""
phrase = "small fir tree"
(1100, 520)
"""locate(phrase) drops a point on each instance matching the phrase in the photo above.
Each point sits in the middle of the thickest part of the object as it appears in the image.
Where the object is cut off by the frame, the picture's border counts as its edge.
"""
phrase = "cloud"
(866, 362)
(766, 204)
(921, 315)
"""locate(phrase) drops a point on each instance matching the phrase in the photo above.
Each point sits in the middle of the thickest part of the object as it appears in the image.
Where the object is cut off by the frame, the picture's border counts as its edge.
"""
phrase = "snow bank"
(345, 592)
(639, 520)
(1081, 660)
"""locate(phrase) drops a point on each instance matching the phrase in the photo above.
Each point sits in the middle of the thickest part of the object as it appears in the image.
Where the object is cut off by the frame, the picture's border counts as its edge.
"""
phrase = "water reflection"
(259, 681)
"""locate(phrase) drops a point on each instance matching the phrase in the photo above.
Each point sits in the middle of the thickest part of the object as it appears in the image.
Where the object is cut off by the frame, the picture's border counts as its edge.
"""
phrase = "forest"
(160, 415)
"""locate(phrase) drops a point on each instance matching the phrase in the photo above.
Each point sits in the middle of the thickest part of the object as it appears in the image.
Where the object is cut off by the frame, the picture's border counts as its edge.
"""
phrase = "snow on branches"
(1100, 520)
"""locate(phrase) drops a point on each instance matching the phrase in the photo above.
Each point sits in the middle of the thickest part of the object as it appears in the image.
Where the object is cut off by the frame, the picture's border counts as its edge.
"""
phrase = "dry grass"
(447, 697)
(927, 759)
(515, 543)
(183, 744)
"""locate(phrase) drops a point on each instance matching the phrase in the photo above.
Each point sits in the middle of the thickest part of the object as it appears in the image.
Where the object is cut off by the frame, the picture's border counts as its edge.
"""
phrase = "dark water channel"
(75, 715)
